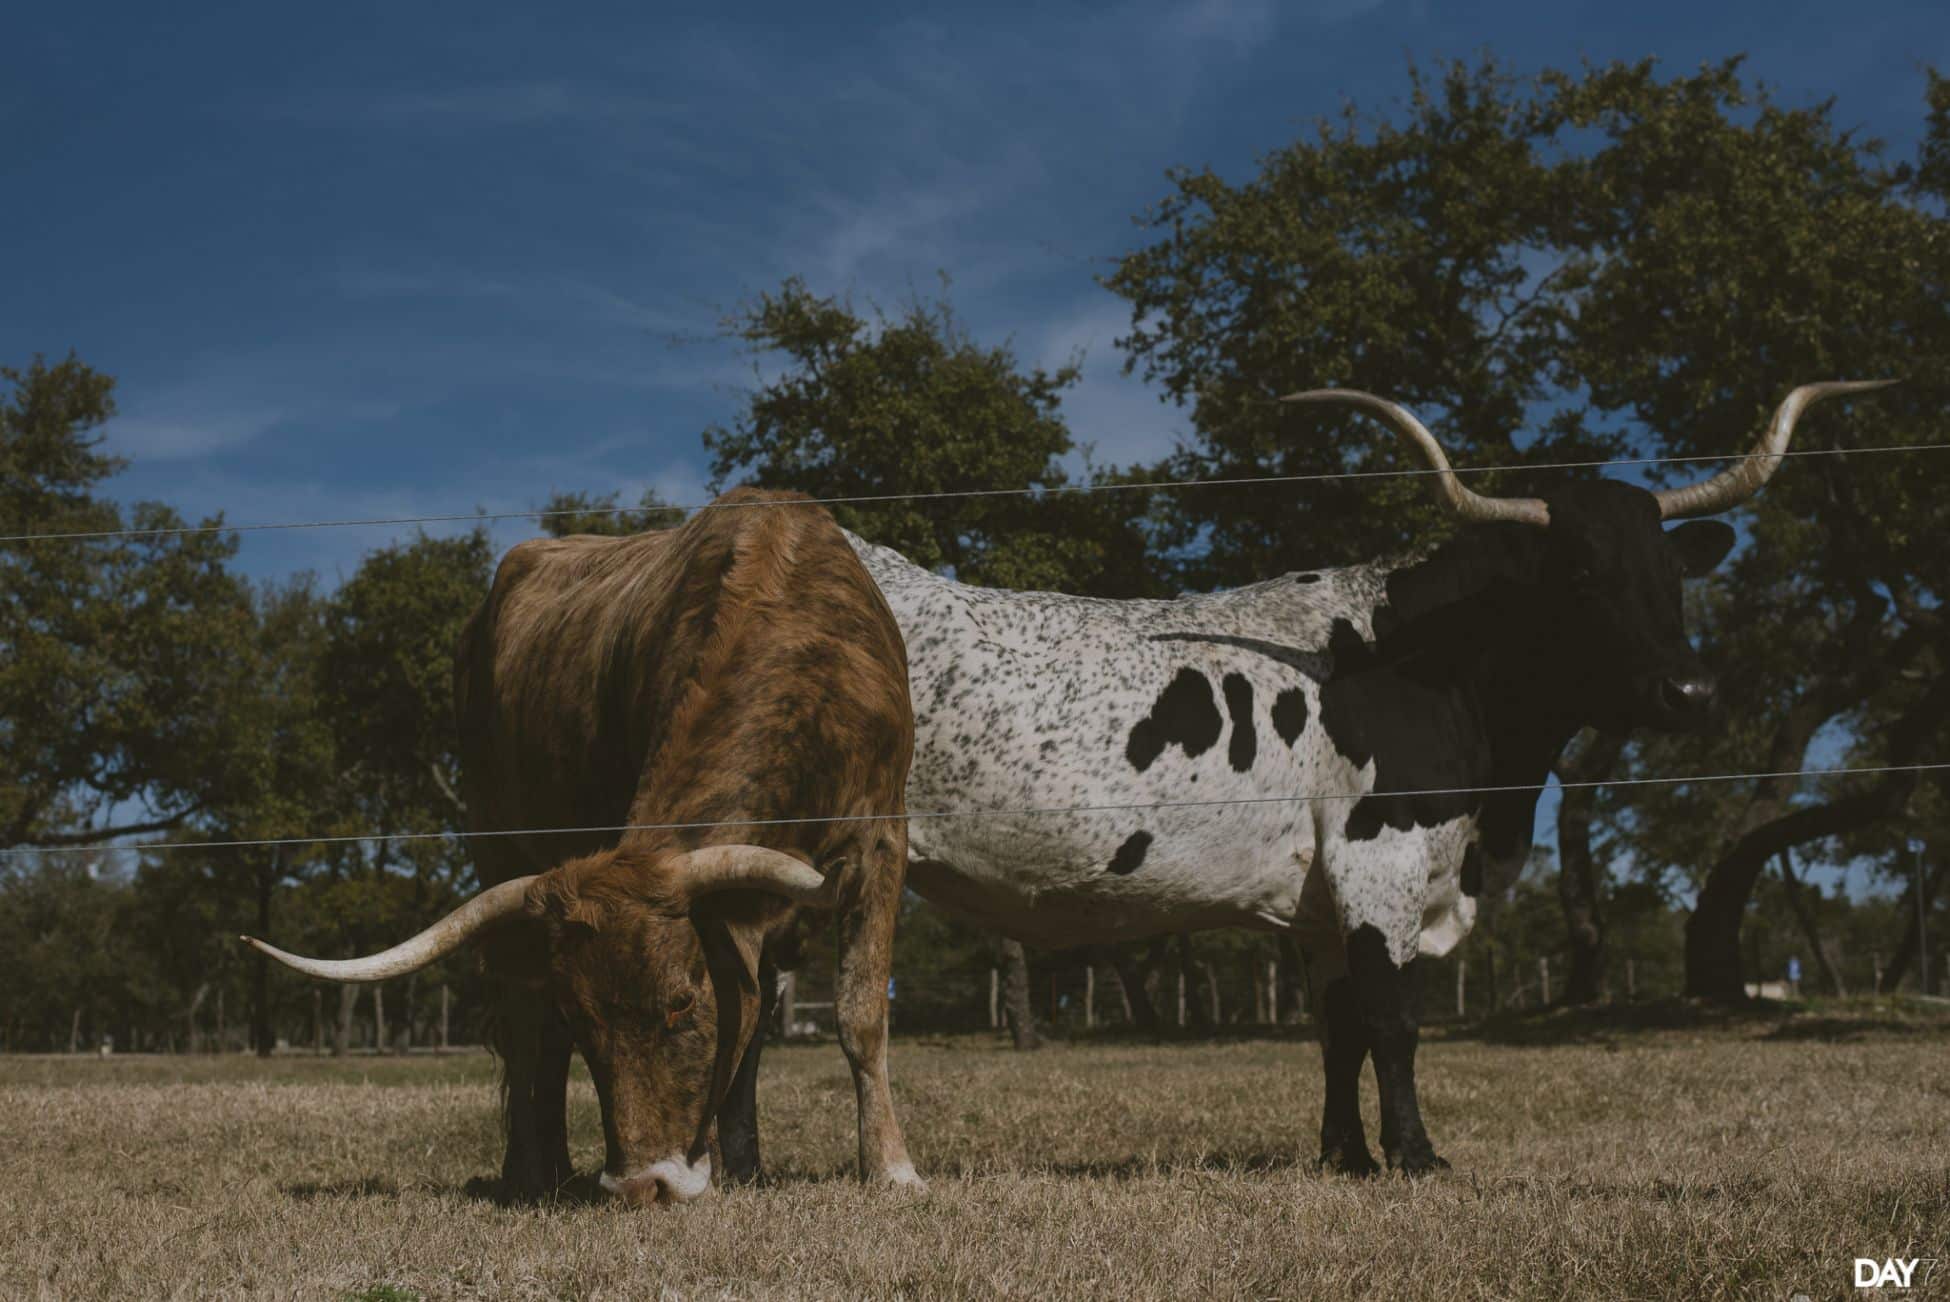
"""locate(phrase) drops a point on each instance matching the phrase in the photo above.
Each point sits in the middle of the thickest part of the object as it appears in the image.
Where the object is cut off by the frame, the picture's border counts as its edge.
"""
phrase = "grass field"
(1594, 1156)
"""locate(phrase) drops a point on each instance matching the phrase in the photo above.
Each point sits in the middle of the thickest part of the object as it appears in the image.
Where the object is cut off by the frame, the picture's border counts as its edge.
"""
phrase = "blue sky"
(361, 260)
(379, 261)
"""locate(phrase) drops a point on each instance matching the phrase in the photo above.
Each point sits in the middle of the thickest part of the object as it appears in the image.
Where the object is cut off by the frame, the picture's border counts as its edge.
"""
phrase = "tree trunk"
(74, 1031)
(1293, 976)
(261, 976)
(1805, 915)
(1772, 824)
(342, 1029)
(196, 1005)
(412, 1007)
(223, 1031)
(1130, 982)
(1187, 987)
(378, 1018)
(1212, 993)
(317, 1021)
(1015, 995)
(1578, 878)
(1892, 976)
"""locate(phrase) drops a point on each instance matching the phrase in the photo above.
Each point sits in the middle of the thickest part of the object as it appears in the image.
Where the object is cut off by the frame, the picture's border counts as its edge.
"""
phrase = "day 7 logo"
(1900, 1272)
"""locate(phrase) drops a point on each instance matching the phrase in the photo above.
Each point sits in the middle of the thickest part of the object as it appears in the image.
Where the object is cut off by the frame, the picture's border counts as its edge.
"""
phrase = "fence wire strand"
(916, 816)
(1054, 490)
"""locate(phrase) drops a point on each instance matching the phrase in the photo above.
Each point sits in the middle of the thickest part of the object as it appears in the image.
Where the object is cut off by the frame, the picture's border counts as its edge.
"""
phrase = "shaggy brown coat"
(703, 685)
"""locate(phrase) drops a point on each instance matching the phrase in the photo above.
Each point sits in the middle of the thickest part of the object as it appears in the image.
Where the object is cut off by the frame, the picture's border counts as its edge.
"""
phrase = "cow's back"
(740, 666)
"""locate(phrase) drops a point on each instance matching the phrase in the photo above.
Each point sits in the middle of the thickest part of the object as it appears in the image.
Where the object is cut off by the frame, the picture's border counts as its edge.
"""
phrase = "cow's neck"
(1470, 612)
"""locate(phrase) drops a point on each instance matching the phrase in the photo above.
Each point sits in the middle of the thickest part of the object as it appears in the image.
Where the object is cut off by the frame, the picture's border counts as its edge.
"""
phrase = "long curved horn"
(1468, 505)
(1744, 478)
(437, 941)
(753, 867)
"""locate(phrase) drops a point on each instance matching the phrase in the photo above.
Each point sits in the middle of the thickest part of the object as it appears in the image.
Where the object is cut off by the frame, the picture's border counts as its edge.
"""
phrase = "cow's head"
(1608, 569)
(652, 958)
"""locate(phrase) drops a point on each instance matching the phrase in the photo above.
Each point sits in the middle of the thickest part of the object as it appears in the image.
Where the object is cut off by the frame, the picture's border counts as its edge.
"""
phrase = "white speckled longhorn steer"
(1466, 666)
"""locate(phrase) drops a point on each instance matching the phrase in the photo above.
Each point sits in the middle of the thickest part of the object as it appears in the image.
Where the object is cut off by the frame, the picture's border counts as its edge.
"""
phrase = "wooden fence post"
(1273, 991)
(1090, 995)
(1181, 998)
(995, 999)
(443, 1016)
(1462, 979)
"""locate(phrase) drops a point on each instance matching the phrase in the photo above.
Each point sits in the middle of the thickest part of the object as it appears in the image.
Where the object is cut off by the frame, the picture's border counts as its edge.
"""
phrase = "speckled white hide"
(1031, 700)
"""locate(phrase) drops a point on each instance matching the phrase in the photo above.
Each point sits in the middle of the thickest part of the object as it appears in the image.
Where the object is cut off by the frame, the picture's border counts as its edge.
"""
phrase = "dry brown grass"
(1755, 1158)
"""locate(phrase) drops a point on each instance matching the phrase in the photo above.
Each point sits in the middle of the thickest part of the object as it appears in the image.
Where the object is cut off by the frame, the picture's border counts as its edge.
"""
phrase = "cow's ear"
(1700, 545)
(554, 900)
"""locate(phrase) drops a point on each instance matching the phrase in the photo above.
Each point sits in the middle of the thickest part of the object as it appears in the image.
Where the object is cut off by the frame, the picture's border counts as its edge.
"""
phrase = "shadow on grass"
(1816, 1020)
(1257, 1162)
(1764, 1019)
(582, 1190)
(1835, 1030)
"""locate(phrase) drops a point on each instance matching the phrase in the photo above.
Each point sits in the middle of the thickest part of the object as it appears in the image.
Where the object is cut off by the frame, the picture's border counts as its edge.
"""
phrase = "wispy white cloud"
(1238, 23)
(499, 104)
(218, 405)
(531, 294)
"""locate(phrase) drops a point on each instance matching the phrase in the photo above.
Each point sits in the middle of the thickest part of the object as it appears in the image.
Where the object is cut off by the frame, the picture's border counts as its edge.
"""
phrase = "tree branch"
(446, 789)
(97, 835)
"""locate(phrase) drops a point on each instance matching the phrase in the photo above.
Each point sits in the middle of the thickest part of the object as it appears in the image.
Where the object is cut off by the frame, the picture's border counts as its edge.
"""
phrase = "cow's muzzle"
(672, 1180)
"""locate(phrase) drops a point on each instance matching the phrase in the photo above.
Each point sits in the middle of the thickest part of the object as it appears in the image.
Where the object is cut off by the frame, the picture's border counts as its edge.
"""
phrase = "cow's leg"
(1343, 1049)
(1389, 999)
(518, 1017)
(551, 1100)
(738, 1115)
(866, 958)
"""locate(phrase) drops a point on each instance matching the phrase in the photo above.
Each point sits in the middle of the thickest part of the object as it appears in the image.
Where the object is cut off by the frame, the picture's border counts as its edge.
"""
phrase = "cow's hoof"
(1357, 1161)
(1417, 1164)
(903, 1178)
(754, 1178)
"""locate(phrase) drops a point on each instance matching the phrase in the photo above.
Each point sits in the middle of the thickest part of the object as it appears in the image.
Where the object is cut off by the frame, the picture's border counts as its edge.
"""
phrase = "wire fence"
(1051, 490)
(924, 815)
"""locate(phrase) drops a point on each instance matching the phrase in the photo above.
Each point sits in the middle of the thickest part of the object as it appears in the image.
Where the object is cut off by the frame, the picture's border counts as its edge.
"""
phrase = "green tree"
(1677, 253)
(119, 655)
(1422, 261)
(880, 407)
(288, 769)
(386, 676)
(385, 693)
(1737, 248)
(573, 513)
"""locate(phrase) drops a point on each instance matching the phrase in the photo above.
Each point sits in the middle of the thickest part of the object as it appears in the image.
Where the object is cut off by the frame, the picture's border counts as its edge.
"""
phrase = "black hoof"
(1417, 1164)
(1356, 1162)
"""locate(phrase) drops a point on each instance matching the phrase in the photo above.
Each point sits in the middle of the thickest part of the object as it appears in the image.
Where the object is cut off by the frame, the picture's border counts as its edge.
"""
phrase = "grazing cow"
(707, 685)
(1338, 752)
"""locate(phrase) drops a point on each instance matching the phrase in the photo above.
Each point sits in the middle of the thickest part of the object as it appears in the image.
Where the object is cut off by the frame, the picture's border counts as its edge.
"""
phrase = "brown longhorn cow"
(735, 691)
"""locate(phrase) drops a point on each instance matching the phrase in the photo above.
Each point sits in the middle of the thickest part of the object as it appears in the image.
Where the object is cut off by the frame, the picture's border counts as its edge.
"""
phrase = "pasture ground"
(1595, 1156)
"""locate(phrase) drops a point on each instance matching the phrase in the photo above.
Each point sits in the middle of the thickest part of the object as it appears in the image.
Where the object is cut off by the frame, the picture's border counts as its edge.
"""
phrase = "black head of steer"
(1581, 587)
(1610, 576)
(1487, 655)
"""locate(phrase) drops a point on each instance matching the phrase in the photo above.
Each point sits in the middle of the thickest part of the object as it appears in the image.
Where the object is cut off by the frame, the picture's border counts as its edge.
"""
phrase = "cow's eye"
(680, 1008)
